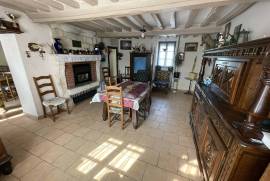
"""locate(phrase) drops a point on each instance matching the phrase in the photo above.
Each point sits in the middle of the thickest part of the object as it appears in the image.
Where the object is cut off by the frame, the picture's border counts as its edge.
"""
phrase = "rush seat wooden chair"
(45, 87)
(115, 105)
(106, 74)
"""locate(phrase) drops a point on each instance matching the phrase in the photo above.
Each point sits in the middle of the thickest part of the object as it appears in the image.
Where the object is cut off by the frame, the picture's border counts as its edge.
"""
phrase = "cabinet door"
(212, 152)
(199, 117)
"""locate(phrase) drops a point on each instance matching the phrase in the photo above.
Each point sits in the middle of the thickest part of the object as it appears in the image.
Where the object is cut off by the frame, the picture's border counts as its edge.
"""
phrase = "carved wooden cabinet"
(226, 139)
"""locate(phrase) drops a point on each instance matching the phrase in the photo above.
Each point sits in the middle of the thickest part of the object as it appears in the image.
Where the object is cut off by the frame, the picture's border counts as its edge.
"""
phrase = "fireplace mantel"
(57, 64)
(76, 58)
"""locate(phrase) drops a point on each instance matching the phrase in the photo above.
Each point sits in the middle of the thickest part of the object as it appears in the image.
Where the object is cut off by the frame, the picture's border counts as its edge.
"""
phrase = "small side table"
(189, 87)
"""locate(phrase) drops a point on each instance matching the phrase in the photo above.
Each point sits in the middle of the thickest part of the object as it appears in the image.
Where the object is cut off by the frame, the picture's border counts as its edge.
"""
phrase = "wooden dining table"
(136, 95)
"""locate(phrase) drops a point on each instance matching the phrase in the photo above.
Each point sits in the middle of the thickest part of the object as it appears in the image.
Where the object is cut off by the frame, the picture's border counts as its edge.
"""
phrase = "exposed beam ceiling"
(210, 15)
(177, 31)
(35, 5)
(17, 6)
(98, 25)
(53, 4)
(105, 24)
(139, 19)
(191, 17)
(158, 21)
(128, 22)
(124, 8)
(128, 17)
(71, 3)
(91, 2)
(114, 1)
(86, 26)
(173, 20)
(116, 23)
(233, 13)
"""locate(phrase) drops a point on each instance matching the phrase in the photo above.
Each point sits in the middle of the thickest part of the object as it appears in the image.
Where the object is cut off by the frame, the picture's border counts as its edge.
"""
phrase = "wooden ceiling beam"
(109, 25)
(139, 19)
(71, 3)
(210, 16)
(125, 8)
(156, 32)
(173, 20)
(129, 23)
(116, 23)
(240, 8)
(86, 26)
(191, 17)
(95, 24)
(53, 4)
(158, 21)
(18, 6)
(91, 2)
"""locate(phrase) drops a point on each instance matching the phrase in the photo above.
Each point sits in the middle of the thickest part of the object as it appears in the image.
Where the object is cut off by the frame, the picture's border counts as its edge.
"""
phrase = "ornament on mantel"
(13, 18)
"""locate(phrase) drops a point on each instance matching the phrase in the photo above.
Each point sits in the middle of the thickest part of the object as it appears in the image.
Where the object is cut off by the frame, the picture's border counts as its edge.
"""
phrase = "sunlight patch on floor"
(135, 148)
(102, 151)
(190, 168)
(124, 160)
(12, 117)
(86, 166)
(105, 171)
(115, 141)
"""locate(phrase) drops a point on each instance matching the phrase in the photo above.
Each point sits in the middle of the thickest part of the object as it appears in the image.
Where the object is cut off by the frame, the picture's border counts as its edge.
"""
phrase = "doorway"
(9, 101)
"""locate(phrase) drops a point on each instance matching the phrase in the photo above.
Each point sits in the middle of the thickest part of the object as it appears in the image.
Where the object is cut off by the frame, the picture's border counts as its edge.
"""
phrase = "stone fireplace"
(80, 73)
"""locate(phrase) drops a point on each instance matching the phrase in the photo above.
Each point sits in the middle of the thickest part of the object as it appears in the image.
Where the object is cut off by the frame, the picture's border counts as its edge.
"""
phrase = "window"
(166, 53)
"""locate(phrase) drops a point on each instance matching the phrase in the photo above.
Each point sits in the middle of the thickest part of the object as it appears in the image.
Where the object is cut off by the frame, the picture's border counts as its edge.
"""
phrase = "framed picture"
(191, 47)
(237, 31)
(227, 30)
(125, 44)
(76, 43)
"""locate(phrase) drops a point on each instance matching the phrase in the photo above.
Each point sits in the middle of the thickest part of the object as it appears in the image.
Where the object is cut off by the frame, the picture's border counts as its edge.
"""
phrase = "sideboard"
(226, 115)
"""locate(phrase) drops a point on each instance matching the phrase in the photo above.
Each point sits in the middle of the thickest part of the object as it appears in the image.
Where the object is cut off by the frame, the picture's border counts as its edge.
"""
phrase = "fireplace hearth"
(79, 74)
(82, 73)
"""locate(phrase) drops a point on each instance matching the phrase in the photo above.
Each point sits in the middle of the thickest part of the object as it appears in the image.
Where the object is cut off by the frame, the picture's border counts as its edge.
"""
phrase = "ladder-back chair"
(45, 87)
(126, 76)
(115, 105)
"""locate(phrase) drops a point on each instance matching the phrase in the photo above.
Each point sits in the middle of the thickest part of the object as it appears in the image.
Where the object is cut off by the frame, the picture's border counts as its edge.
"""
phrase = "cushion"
(56, 101)
(163, 75)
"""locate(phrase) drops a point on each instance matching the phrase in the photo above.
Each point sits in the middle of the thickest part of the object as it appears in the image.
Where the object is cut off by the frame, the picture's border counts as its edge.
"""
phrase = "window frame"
(166, 42)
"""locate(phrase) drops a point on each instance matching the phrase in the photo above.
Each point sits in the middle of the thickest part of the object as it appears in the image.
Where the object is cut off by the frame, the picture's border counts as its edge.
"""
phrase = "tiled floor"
(81, 146)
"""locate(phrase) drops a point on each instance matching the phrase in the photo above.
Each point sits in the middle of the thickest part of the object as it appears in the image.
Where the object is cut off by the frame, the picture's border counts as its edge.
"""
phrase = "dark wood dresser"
(225, 116)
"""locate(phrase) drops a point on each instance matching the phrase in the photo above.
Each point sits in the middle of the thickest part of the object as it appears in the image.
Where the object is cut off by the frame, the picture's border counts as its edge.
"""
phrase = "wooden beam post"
(71, 3)
(139, 19)
(191, 17)
(158, 21)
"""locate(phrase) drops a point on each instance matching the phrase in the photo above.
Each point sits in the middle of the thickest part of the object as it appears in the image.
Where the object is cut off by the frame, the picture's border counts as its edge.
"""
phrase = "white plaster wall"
(67, 33)
(255, 19)
(151, 43)
(35, 65)
(186, 66)
(3, 61)
(17, 68)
